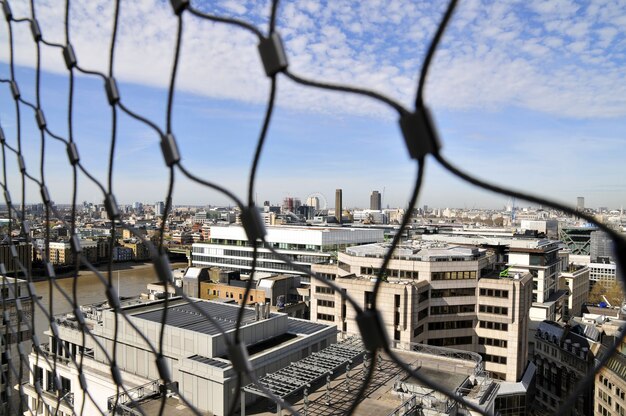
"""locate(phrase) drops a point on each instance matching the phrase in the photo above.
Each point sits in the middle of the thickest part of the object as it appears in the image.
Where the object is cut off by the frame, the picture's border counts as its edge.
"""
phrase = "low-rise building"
(195, 355)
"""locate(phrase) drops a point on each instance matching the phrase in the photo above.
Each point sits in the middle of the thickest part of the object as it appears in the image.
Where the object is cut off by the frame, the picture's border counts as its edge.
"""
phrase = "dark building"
(338, 205)
(375, 201)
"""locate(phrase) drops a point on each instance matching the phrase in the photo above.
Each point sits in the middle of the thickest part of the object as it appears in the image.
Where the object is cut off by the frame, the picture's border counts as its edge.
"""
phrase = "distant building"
(375, 201)
(338, 204)
(580, 203)
(159, 208)
(604, 273)
(229, 248)
(601, 246)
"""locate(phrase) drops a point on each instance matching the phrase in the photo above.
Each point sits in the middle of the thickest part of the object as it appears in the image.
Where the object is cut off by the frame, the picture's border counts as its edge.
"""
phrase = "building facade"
(438, 295)
(195, 352)
(229, 248)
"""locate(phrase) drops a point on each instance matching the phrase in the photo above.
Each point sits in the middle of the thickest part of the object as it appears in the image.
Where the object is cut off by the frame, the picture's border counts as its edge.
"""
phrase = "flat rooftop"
(422, 251)
(185, 316)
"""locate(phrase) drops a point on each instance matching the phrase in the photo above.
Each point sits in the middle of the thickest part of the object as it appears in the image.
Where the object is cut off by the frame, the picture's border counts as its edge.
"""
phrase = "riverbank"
(129, 266)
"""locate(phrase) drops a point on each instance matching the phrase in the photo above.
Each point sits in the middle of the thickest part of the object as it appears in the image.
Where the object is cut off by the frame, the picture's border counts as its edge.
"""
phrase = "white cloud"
(546, 56)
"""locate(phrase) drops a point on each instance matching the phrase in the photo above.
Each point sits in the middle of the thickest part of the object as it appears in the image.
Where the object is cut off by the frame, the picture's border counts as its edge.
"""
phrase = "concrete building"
(24, 254)
(576, 280)
(563, 356)
(194, 349)
(439, 295)
(601, 246)
(580, 203)
(15, 336)
(159, 208)
(338, 205)
(550, 228)
(375, 201)
(602, 273)
(610, 384)
(61, 252)
(229, 248)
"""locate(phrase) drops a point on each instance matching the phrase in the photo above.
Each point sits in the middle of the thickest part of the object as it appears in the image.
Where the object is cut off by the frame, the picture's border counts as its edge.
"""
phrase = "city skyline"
(528, 95)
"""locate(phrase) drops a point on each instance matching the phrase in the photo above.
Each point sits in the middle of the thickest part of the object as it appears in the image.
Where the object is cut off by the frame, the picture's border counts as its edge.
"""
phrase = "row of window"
(435, 326)
(494, 358)
(494, 325)
(444, 293)
(496, 293)
(453, 275)
(246, 263)
(403, 274)
(228, 295)
(493, 342)
(451, 309)
(326, 317)
(326, 303)
(498, 310)
(450, 341)
(324, 290)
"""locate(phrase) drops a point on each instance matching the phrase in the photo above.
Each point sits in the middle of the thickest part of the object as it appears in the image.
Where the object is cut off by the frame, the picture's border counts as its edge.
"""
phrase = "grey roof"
(301, 326)
(186, 316)
(210, 361)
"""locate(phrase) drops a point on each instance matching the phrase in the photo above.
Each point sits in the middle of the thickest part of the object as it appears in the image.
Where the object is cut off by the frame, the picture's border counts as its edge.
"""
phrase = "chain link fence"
(422, 142)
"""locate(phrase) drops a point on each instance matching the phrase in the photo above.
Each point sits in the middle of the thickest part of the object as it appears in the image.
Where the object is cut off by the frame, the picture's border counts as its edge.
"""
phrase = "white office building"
(195, 354)
(229, 248)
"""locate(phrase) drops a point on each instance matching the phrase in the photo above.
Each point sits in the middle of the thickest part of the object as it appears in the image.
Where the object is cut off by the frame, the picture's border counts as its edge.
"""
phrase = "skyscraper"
(580, 203)
(338, 205)
(159, 207)
(375, 201)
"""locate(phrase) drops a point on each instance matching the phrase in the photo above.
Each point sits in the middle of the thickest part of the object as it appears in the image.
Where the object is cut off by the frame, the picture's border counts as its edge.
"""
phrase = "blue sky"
(530, 94)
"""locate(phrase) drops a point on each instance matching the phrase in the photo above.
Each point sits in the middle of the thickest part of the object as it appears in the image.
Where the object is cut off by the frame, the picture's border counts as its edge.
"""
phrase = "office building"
(24, 255)
(159, 208)
(229, 248)
(15, 335)
(563, 356)
(580, 203)
(338, 205)
(375, 201)
(604, 273)
(575, 279)
(601, 246)
(610, 383)
(195, 351)
(438, 295)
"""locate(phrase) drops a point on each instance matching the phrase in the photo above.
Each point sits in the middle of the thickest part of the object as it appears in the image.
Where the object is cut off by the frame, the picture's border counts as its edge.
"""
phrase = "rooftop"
(418, 251)
(183, 315)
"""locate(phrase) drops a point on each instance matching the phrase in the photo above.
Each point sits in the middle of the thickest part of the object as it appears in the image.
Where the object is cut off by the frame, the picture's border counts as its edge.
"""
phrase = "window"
(442, 293)
(451, 309)
(418, 330)
(324, 290)
(492, 342)
(496, 293)
(435, 326)
(444, 342)
(325, 317)
(494, 325)
(326, 303)
(498, 310)
(453, 275)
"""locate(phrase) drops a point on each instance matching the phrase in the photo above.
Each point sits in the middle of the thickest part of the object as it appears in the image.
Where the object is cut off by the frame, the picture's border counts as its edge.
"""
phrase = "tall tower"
(580, 203)
(338, 205)
(375, 201)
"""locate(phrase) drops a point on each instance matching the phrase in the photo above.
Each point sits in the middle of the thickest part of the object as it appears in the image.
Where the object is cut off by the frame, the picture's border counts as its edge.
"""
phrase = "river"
(133, 279)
